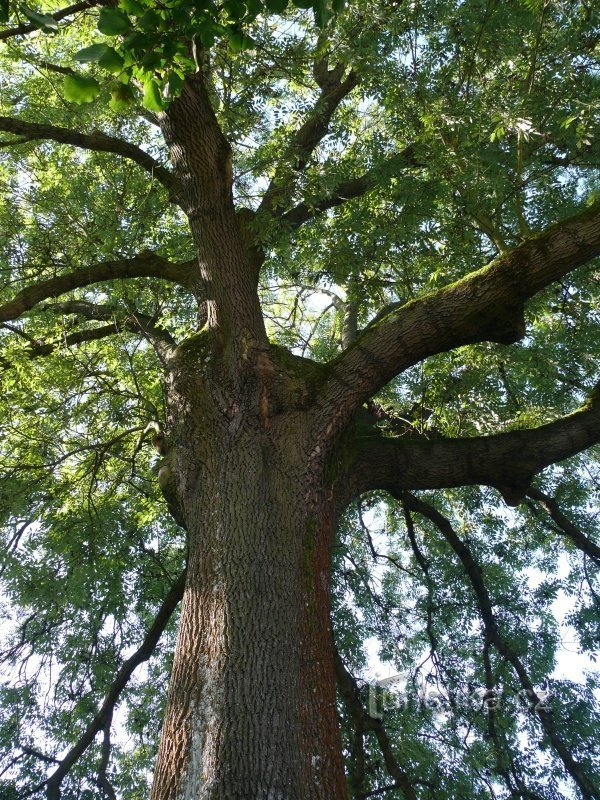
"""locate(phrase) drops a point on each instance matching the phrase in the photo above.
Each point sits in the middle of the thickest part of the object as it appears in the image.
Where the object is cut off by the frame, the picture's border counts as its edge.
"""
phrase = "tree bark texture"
(251, 710)
(202, 160)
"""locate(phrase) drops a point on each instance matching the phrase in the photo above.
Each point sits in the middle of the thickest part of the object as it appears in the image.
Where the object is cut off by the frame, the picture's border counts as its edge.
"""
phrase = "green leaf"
(121, 97)
(276, 6)
(80, 88)
(150, 21)
(92, 53)
(44, 22)
(566, 123)
(239, 41)
(132, 7)
(151, 60)
(321, 12)
(207, 37)
(136, 42)
(179, 16)
(303, 3)
(168, 49)
(174, 84)
(113, 21)
(235, 9)
(152, 99)
(338, 5)
(4, 10)
(235, 42)
(111, 61)
(254, 7)
(106, 57)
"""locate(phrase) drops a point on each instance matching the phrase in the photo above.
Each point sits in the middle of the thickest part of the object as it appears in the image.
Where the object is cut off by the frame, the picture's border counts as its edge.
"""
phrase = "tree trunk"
(251, 710)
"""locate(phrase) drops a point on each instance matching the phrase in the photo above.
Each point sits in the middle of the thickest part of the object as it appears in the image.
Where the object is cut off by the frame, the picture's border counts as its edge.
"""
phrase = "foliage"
(498, 104)
(157, 45)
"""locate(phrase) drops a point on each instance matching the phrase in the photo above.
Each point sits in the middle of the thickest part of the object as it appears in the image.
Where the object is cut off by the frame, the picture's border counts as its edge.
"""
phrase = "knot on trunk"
(166, 479)
(168, 487)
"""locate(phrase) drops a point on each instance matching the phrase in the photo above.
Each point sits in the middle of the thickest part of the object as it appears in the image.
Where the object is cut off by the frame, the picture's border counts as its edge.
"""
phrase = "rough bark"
(201, 157)
(262, 451)
(251, 710)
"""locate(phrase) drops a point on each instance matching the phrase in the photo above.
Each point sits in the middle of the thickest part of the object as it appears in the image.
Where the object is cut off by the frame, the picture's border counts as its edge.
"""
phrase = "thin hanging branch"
(102, 780)
(105, 712)
(364, 722)
(565, 526)
(505, 766)
(494, 636)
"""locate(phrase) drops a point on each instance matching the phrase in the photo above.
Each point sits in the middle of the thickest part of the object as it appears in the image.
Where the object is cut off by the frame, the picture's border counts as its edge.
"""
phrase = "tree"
(169, 235)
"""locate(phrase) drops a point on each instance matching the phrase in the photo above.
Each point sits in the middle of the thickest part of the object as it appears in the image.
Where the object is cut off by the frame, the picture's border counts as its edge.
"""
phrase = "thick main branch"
(98, 141)
(486, 305)
(507, 461)
(201, 157)
(145, 265)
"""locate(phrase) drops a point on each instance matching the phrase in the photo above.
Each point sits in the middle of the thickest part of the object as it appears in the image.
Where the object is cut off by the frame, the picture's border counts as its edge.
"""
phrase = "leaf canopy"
(475, 126)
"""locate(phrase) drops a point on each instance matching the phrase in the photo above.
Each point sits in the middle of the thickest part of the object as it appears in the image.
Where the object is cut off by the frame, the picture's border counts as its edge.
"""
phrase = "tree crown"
(393, 164)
